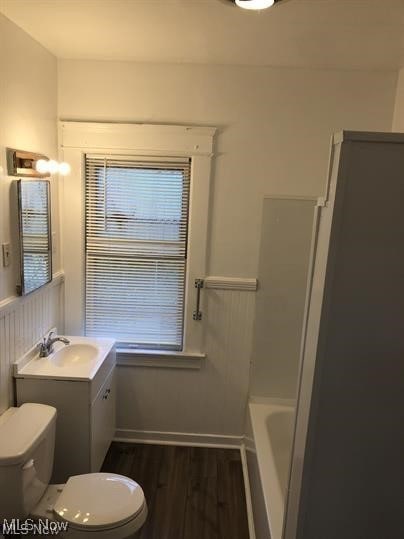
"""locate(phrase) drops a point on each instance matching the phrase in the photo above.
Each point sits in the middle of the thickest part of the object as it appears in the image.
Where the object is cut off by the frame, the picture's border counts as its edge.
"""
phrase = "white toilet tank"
(27, 441)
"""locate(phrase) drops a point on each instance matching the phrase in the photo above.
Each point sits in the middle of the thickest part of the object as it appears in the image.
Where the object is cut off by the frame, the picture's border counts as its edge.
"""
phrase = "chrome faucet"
(46, 346)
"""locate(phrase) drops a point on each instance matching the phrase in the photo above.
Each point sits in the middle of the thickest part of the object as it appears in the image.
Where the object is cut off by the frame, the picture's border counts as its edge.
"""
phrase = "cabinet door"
(102, 423)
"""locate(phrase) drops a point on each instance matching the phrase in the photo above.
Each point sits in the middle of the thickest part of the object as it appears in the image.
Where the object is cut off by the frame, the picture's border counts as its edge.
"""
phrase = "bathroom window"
(132, 274)
(136, 218)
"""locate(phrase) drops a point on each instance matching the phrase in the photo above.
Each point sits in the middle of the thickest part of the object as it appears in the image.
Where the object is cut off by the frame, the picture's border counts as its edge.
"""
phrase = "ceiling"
(358, 34)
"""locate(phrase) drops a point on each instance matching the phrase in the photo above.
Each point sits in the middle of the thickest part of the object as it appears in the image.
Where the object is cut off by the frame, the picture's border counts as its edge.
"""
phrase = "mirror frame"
(21, 288)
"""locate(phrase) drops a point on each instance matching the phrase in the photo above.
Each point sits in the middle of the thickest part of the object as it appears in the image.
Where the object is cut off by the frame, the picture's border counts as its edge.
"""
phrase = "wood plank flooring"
(191, 492)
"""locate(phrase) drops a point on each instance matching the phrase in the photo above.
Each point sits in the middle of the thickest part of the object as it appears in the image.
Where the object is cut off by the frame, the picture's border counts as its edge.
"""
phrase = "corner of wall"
(398, 114)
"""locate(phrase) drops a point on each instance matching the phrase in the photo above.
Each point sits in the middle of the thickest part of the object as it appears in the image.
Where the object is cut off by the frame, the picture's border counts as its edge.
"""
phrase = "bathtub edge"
(247, 489)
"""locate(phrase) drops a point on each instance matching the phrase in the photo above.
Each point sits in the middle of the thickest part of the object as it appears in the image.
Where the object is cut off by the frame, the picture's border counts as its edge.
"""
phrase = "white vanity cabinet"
(85, 422)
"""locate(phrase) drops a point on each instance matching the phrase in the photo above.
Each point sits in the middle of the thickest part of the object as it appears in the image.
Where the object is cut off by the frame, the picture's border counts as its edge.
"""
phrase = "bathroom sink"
(79, 360)
(74, 354)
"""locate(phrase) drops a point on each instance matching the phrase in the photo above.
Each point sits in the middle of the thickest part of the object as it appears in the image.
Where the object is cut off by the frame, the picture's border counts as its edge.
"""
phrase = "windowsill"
(126, 357)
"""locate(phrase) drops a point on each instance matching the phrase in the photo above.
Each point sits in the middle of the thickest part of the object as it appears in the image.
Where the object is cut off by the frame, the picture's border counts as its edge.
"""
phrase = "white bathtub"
(271, 426)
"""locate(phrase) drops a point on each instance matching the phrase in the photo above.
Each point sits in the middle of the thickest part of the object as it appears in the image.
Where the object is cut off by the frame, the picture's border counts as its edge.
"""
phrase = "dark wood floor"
(191, 492)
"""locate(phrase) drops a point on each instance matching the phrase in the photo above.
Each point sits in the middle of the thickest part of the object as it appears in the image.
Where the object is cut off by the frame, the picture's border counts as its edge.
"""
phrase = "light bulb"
(255, 4)
(53, 166)
(64, 169)
(41, 166)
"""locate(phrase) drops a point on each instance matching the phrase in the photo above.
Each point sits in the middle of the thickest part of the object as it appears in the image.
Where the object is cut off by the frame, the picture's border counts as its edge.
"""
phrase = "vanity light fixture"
(22, 164)
(28, 164)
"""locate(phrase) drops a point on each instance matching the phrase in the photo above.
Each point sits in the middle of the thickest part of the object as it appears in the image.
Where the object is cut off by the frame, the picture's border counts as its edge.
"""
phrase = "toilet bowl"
(102, 505)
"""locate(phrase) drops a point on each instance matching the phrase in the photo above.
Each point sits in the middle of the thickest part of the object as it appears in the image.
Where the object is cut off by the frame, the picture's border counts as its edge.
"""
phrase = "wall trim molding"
(12, 302)
(247, 488)
(178, 438)
(231, 283)
(249, 444)
(145, 138)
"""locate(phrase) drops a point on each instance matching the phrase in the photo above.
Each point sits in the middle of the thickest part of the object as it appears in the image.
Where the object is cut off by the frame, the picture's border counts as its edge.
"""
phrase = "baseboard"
(178, 438)
(248, 499)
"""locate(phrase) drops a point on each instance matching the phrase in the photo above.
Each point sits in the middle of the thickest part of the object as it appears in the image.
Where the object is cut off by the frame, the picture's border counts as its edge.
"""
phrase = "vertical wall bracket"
(199, 284)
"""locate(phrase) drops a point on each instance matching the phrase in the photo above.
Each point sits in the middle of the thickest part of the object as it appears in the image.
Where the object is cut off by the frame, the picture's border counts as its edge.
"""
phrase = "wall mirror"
(34, 229)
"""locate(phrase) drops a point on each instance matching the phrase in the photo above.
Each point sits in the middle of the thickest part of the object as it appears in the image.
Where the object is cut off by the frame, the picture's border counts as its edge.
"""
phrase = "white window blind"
(136, 249)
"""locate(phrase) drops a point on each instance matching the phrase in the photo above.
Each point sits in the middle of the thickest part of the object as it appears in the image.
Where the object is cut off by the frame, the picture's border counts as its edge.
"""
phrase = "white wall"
(274, 131)
(286, 237)
(28, 98)
(28, 115)
(207, 401)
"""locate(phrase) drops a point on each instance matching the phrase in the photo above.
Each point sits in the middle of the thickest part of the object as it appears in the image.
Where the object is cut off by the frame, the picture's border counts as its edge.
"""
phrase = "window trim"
(80, 138)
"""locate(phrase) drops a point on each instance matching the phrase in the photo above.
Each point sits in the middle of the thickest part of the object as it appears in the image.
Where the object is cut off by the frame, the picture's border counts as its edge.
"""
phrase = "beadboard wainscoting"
(198, 406)
(23, 321)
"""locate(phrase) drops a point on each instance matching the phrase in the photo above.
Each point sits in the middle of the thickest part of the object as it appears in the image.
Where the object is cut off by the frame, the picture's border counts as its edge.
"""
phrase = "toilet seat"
(99, 501)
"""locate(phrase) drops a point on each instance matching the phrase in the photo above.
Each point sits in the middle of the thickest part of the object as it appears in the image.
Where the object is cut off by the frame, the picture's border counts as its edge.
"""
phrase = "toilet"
(101, 505)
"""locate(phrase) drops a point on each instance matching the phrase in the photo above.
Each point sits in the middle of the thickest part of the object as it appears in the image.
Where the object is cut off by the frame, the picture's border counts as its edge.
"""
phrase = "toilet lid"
(99, 501)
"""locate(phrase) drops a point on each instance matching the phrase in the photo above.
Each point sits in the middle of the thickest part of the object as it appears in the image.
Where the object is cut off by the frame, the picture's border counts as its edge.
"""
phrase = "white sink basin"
(74, 354)
(79, 360)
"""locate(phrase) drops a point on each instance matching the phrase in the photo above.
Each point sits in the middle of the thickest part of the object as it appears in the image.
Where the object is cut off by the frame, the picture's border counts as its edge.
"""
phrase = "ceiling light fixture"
(254, 4)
